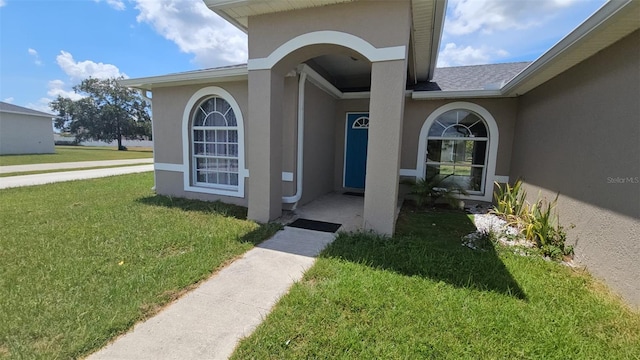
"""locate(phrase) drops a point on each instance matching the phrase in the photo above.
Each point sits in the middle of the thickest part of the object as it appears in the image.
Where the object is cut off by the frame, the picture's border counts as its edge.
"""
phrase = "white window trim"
(493, 136)
(243, 173)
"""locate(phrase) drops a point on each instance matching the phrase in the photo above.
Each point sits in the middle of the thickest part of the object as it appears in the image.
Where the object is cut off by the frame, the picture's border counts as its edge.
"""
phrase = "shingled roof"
(474, 77)
(10, 108)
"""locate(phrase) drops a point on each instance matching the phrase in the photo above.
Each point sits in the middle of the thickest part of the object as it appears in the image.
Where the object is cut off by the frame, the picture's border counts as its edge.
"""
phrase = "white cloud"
(36, 57)
(9, 100)
(78, 71)
(57, 87)
(2, 3)
(81, 70)
(41, 105)
(196, 30)
(467, 16)
(454, 55)
(116, 4)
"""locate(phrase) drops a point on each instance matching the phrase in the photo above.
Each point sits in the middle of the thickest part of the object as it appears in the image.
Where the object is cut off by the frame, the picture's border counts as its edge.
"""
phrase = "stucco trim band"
(168, 167)
(409, 172)
(350, 41)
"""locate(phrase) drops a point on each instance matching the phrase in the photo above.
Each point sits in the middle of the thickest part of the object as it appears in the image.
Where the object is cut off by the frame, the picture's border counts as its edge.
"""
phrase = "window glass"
(214, 136)
(457, 150)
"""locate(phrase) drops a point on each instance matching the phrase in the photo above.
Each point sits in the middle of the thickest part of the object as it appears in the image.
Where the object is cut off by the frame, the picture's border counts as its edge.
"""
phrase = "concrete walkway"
(40, 179)
(71, 165)
(208, 322)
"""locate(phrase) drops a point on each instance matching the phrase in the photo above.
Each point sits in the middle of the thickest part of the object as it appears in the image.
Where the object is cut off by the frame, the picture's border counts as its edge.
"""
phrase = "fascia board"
(148, 83)
(50, 116)
(465, 94)
(436, 35)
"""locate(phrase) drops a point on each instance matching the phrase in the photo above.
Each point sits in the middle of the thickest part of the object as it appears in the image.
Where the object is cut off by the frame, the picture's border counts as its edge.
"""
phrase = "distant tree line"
(106, 112)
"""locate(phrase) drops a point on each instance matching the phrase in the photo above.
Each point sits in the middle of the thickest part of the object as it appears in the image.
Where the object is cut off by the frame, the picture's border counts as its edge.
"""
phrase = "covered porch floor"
(336, 207)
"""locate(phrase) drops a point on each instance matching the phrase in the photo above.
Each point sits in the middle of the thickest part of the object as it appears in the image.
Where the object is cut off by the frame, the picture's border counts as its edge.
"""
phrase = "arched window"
(214, 134)
(459, 140)
(213, 143)
(457, 150)
(361, 123)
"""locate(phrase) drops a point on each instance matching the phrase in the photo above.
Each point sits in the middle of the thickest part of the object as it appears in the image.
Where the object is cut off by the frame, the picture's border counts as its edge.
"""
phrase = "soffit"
(426, 29)
(239, 11)
(428, 19)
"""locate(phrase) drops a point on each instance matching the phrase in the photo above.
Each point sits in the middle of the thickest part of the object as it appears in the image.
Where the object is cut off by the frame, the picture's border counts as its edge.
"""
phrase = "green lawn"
(83, 261)
(421, 295)
(76, 153)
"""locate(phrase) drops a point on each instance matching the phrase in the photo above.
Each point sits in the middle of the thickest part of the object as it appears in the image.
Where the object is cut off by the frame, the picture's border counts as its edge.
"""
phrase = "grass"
(84, 261)
(76, 153)
(60, 170)
(421, 295)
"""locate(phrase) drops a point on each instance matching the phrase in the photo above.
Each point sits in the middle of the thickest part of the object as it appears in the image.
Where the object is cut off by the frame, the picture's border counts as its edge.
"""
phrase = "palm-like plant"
(427, 191)
(511, 202)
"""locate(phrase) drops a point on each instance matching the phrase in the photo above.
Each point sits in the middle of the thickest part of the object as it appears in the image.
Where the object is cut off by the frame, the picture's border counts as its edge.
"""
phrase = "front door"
(355, 159)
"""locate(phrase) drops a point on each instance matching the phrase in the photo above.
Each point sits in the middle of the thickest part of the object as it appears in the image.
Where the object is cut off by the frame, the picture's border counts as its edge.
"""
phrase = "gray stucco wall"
(503, 110)
(168, 109)
(290, 133)
(579, 135)
(416, 113)
(319, 143)
(25, 134)
(357, 18)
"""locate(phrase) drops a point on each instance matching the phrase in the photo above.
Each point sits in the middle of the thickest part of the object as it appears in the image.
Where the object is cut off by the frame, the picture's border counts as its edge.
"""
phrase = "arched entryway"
(387, 87)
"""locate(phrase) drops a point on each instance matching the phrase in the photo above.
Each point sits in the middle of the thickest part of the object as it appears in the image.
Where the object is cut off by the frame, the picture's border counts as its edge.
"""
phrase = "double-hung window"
(215, 145)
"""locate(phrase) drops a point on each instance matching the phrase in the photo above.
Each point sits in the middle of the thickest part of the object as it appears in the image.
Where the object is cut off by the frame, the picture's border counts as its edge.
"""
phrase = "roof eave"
(190, 78)
(43, 115)
(426, 40)
(436, 36)
(456, 94)
(218, 8)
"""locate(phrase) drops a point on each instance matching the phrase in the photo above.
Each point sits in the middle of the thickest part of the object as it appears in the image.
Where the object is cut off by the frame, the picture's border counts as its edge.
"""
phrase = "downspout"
(149, 101)
(300, 144)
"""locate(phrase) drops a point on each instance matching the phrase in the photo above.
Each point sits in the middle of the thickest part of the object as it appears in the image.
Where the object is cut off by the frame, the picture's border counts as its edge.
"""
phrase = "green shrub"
(544, 229)
(511, 201)
(537, 222)
(427, 191)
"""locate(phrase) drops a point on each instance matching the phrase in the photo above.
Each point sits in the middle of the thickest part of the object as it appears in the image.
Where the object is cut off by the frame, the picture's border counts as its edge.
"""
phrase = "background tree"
(107, 112)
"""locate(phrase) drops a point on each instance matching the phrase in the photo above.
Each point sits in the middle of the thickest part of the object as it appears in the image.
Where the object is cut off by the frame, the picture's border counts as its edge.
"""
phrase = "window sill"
(239, 193)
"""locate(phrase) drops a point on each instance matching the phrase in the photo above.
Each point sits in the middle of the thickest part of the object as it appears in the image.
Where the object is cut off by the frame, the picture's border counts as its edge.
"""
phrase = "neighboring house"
(344, 95)
(25, 131)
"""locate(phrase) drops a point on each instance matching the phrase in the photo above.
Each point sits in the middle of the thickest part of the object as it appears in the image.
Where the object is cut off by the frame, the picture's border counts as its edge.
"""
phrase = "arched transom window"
(457, 150)
(361, 123)
(215, 146)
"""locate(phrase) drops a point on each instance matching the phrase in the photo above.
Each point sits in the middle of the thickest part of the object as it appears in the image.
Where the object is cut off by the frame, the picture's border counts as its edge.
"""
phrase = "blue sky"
(47, 46)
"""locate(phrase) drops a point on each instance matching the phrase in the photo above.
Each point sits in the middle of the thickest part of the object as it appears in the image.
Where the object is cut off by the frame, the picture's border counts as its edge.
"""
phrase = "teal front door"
(355, 159)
